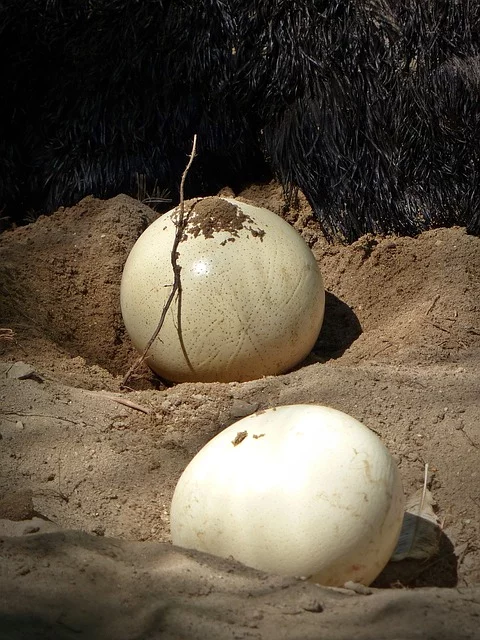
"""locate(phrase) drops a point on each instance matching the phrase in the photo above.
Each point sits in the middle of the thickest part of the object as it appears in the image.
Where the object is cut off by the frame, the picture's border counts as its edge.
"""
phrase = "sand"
(86, 480)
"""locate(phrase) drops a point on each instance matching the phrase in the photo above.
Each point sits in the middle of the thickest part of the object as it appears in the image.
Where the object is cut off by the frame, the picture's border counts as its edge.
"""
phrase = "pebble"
(30, 529)
(315, 606)
(356, 587)
(99, 530)
(20, 371)
(242, 408)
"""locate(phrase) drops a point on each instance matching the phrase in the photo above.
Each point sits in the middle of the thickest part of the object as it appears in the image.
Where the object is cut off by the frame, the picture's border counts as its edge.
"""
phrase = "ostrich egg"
(300, 490)
(251, 302)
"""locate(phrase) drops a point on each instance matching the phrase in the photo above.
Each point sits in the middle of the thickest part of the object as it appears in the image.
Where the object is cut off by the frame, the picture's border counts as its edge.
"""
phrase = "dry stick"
(424, 492)
(39, 415)
(129, 403)
(434, 302)
(180, 228)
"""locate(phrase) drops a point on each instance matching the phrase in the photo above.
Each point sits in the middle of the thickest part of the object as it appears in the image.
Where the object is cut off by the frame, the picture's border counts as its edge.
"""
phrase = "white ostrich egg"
(301, 490)
(252, 297)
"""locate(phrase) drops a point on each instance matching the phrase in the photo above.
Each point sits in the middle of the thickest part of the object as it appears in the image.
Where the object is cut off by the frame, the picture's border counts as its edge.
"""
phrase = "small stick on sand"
(434, 302)
(128, 403)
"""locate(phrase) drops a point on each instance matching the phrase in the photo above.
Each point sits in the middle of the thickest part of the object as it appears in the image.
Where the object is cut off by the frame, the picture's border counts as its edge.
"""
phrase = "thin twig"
(420, 506)
(475, 501)
(424, 492)
(180, 228)
(437, 326)
(433, 304)
(58, 493)
(387, 346)
(461, 428)
(153, 200)
(426, 567)
(128, 403)
(39, 415)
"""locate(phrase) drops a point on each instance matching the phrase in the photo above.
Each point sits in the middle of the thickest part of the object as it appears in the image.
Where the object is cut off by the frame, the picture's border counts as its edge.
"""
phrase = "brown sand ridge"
(399, 350)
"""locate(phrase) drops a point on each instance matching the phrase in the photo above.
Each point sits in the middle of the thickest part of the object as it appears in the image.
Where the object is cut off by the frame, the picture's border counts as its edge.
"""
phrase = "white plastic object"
(301, 490)
(252, 296)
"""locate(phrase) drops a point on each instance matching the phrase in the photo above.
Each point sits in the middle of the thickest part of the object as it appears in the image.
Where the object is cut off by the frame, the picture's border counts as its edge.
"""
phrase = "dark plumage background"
(370, 107)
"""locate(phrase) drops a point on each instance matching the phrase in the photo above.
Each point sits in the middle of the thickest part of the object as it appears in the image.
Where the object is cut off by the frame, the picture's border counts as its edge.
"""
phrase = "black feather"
(370, 107)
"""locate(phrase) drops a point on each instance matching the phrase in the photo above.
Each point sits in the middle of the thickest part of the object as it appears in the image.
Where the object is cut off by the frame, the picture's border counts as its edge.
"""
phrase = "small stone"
(256, 615)
(19, 424)
(314, 606)
(389, 244)
(17, 506)
(242, 408)
(99, 530)
(357, 587)
(30, 529)
(20, 370)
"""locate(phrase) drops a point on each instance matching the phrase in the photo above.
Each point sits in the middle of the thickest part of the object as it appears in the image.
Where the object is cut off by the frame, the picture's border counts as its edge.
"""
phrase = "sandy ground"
(399, 350)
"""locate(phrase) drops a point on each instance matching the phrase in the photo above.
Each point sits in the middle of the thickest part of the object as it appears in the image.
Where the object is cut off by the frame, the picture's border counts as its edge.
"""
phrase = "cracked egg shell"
(299, 490)
(252, 299)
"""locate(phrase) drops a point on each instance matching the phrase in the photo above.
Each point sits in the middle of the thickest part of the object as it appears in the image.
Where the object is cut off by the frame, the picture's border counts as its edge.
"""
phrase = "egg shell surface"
(252, 296)
(301, 490)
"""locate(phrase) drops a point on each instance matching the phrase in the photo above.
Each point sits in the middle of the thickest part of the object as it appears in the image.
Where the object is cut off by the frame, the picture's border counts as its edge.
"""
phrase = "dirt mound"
(416, 299)
(60, 277)
(407, 300)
